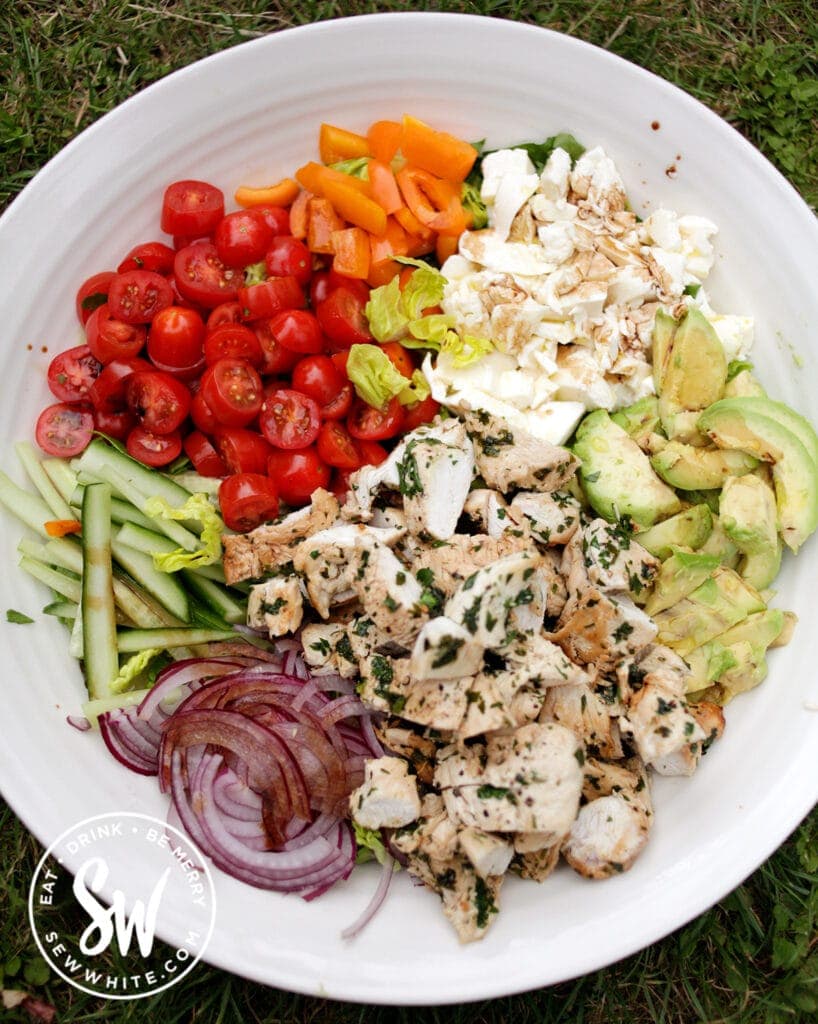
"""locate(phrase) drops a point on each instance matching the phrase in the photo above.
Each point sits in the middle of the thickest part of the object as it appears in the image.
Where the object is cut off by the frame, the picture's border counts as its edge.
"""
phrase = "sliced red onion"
(357, 926)
(177, 678)
(143, 761)
(78, 722)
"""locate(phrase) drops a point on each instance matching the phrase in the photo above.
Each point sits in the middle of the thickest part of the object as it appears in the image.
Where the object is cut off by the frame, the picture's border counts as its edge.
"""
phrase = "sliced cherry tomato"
(360, 288)
(243, 451)
(202, 277)
(233, 341)
(137, 296)
(206, 460)
(114, 424)
(339, 484)
(110, 338)
(298, 330)
(225, 313)
(277, 359)
(319, 287)
(64, 430)
(297, 474)
(339, 407)
(372, 453)
(336, 447)
(420, 412)
(72, 373)
(242, 237)
(247, 500)
(202, 415)
(179, 299)
(270, 297)
(92, 294)
(176, 338)
(191, 208)
(340, 359)
(159, 401)
(369, 424)
(318, 377)
(289, 419)
(107, 393)
(289, 256)
(233, 391)
(342, 319)
(399, 358)
(153, 449)
(277, 217)
(149, 256)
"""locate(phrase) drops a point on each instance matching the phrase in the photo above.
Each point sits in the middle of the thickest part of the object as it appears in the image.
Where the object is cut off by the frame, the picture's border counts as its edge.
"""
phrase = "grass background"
(753, 958)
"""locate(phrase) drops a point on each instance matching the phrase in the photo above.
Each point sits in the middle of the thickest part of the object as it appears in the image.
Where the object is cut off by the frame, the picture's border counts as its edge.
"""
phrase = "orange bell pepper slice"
(314, 178)
(351, 249)
(62, 527)
(336, 144)
(382, 252)
(355, 207)
(299, 214)
(383, 186)
(445, 246)
(384, 139)
(439, 153)
(280, 194)
(435, 202)
(322, 223)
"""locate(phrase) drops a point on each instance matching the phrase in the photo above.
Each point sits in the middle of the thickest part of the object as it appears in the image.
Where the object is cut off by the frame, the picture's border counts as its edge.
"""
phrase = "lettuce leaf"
(132, 668)
(355, 167)
(370, 844)
(425, 287)
(385, 312)
(470, 198)
(197, 508)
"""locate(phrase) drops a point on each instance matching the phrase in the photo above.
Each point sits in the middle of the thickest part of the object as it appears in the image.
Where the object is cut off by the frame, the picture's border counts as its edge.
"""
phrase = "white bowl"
(251, 115)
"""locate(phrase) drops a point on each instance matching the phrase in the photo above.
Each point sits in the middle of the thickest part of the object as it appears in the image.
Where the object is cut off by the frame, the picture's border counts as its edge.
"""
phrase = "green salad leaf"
(470, 198)
(12, 615)
(370, 845)
(133, 667)
(376, 379)
(199, 509)
(356, 167)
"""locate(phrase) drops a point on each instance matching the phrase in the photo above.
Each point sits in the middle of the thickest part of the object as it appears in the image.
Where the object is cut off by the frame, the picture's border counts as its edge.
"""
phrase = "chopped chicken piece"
(250, 555)
(507, 459)
(685, 760)
(660, 665)
(613, 561)
(384, 682)
(491, 511)
(419, 750)
(489, 700)
(597, 629)
(388, 518)
(580, 709)
(659, 723)
(435, 477)
(390, 594)
(452, 561)
(445, 650)
(366, 483)
(437, 704)
(552, 518)
(488, 854)
(537, 864)
(433, 838)
(388, 796)
(276, 605)
(327, 650)
(530, 782)
(543, 662)
(469, 901)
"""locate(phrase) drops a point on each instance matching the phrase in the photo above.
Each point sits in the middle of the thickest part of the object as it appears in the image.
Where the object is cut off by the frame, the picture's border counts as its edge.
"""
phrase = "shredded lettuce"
(466, 350)
(197, 508)
(385, 312)
(255, 273)
(133, 667)
(376, 379)
(356, 167)
(470, 198)
(424, 288)
(737, 366)
(370, 845)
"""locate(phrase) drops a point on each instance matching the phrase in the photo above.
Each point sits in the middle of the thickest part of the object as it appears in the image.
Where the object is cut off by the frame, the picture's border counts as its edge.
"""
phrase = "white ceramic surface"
(251, 114)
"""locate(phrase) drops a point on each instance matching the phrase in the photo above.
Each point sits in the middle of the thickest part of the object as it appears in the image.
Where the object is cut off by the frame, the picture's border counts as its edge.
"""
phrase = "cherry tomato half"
(202, 415)
(270, 297)
(336, 447)
(369, 424)
(297, 330)
(225, 313)
(64, 430)
(289, 419)
(191, 208)
(110, 338)
(233, 341)
(372, 453)
(247, 500)
(242, 237)
(92, 293)
(137, 296)
(318, 377)
(297, 474)
(352, 284)
(420, 412)
(243, 451)
(206, 460)
(277, 359)
(233, 391)
(277, 217)
(153, 449)
(202, 277)
(160, 401)
(342, 319)
(149, 256)
(289, 256)
(114, 424)
(176, 338)
(72, 373)
(107, 393)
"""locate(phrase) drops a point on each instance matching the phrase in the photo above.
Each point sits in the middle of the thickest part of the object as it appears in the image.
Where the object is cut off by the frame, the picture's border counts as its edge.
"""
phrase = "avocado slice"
(744, 385)
(785, 416)
(691, 469)
(748, 513)
(681, 426)
(639, 420)
(754, 425)
(719, 544)
(707, 663)
(722, 601)
(695, 369)
(616, 474)
(747, 642)
(688, 529)
(664, 329)
(679, 576)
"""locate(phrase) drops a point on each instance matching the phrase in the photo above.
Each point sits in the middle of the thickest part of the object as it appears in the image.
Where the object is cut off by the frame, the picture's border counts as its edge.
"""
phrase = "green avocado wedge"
(694, 469)
(755, 426)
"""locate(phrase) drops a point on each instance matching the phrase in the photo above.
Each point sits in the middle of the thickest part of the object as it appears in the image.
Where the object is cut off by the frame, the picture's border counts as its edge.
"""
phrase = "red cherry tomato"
(352, 284)
(176, 338)
(107, 393)
(342, 319)
(191, 208)
(202, 415)
(297, 330)
(114, 424)
(64, 430)
(153, 449)
(202, 277)
(289, 420)
(233, 341)
(289, 256)
(224, 313)
(160, 401)
(206, 460)
(72, 373)
(319, 287)
(399, 358)
(277, 217)
(369, 424)
(340, 359)
(339, 484)
(420, 412)
(297, 474)
(149, 256)
(233, 391)
(372, 453)
(92, 293)
(339, 407)
(110, 338)
(137, 296)
(270, 297)
(247, 500)
(179, 299)
(242, 237)
(277, 359)
(318, 377)
(336, 447)
(243, 451)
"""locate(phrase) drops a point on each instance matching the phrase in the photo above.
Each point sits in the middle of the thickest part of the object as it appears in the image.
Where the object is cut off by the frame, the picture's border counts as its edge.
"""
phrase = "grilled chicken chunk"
(388, 796)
